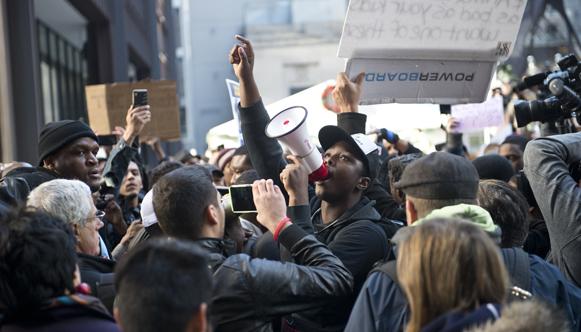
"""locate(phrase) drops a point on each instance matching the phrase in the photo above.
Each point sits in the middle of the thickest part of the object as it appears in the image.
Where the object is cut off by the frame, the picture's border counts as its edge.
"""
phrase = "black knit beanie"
(56, 135)
(493, 167)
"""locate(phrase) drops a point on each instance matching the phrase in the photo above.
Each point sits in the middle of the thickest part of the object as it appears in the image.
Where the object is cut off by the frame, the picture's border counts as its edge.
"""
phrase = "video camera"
(563, 86)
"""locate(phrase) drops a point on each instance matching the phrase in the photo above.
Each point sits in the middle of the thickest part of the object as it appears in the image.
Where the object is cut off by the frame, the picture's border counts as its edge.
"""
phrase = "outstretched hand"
(452, 125)
(242, 58)
(136, 119)
(270, 203)
(347, 93)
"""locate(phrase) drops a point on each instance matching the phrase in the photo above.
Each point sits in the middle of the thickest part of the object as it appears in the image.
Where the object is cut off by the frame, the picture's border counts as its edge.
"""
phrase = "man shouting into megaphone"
(339, 211)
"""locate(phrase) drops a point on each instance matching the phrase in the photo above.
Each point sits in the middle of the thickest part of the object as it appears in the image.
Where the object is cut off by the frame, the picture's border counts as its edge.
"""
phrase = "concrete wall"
(207, 29)
(280, 69)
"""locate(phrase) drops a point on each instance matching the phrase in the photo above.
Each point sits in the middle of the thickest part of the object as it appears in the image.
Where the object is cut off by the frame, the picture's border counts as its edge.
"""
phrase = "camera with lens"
(562, 86)
(105, 191)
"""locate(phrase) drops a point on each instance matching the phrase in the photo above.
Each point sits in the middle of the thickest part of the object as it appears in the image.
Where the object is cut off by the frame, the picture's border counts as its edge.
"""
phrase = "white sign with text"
(432, 39)
(474, 117)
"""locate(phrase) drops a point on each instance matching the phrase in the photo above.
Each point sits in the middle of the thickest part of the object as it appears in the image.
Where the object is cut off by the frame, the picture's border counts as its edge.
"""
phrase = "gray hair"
(69, 200)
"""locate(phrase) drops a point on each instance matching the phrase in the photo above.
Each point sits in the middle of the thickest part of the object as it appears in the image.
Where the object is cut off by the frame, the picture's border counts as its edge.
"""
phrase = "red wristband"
(281, 224)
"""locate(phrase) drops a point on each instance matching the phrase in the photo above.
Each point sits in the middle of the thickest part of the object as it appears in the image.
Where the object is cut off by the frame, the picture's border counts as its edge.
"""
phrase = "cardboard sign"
(429, 38)
(107, 105)
(473, 117)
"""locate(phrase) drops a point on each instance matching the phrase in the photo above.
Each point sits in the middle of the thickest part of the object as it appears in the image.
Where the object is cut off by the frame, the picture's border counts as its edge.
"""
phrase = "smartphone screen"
(242, 199)
(107, 139)
(139, 97)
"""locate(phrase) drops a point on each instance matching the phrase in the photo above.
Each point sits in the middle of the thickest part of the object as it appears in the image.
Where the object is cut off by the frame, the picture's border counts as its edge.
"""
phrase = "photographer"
(547, 165)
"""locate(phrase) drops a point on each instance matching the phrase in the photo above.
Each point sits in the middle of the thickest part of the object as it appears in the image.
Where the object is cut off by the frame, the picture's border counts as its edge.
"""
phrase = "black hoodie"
(357, 240)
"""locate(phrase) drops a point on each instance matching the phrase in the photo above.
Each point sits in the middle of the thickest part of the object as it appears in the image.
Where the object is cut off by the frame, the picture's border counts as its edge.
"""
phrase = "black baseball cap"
(365, 149)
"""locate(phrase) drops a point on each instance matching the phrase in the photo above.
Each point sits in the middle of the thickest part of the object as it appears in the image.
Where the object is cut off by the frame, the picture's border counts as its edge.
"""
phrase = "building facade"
(296, 43)
(51, 49)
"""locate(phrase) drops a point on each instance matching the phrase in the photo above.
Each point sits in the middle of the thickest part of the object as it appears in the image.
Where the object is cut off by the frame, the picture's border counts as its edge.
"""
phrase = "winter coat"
(98, 273)
(250, 293)
(64, 314)
(547, 163)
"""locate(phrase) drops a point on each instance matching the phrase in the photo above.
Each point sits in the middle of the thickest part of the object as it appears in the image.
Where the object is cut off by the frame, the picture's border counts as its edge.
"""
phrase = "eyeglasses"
(100, 214)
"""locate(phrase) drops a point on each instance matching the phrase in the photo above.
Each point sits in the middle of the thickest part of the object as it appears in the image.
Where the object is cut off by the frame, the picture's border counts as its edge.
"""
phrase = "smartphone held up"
(139, 97)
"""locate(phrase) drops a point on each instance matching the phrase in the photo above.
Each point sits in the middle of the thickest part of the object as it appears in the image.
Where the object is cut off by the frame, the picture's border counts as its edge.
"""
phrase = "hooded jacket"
(357, 241)
(460, 321)
(382, 305)
(530, 316)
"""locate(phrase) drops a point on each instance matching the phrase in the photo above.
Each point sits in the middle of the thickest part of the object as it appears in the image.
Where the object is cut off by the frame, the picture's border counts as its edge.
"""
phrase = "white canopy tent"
(396, 117)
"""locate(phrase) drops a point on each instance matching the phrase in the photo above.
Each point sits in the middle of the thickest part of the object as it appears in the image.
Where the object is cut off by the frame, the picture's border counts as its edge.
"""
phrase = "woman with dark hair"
(40, 287)
(453, 276)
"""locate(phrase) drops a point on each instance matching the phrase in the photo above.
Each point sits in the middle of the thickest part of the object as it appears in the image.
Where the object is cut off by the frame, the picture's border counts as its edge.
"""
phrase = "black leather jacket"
(249, 293)
(218, 250)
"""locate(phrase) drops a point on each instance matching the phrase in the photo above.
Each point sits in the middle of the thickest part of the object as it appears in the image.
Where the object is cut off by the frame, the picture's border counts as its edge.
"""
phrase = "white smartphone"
(242, 199)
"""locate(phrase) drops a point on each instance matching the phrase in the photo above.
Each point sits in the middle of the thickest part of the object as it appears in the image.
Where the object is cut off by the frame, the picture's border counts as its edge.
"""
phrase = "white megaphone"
(290, 127)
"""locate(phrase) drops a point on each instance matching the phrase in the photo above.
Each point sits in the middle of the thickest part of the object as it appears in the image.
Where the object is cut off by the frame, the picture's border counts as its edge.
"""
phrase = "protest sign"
(107, 106)
(234, 92)
(473, 117)
(434, 43)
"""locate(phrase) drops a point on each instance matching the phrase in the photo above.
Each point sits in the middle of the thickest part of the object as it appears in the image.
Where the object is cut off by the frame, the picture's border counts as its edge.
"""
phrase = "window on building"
(63, 75)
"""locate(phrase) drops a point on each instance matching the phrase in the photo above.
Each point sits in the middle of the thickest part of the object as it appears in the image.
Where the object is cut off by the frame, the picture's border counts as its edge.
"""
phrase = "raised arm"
(128, 147)
(265, 153)
(347, 94)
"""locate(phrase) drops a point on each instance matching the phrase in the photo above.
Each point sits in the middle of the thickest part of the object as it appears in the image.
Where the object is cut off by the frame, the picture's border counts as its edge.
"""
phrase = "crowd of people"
(92, 239)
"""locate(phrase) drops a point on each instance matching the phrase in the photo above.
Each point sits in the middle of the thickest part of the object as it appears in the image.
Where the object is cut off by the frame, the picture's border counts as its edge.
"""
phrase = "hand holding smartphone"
(139, 97)
(242, 199)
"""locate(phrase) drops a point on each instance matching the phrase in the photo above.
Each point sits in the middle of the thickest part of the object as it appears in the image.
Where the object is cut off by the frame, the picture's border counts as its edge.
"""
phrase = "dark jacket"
(18, 183)
(113, 174)
(354, 237)
(382, 305)
(267, 155)
(64, 314)
(98, 273)
(547, 162)
(118, 163)
(250, 293)
(218, 250)
(459, 321)
(357, 241)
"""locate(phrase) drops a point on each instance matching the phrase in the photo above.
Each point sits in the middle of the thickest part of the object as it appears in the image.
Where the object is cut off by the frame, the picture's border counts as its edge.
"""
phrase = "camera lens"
(536, 110)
